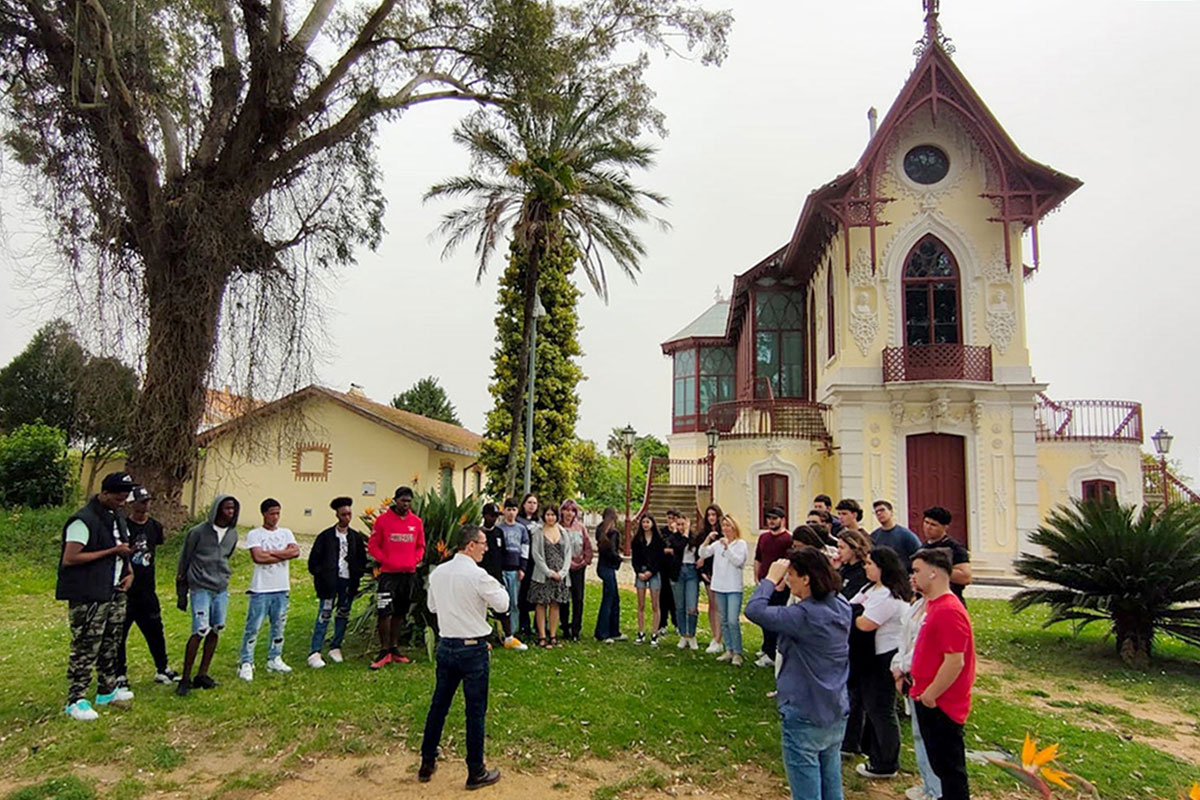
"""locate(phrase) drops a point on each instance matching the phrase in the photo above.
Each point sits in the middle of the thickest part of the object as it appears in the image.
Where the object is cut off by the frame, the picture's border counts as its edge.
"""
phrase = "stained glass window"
(931, 295)
(926, 164)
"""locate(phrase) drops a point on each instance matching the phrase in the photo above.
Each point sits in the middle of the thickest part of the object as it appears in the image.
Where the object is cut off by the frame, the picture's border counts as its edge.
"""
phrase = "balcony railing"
(695, 472)
(782, 416)
(937, 362)
(1159, 485)
(1088, 420)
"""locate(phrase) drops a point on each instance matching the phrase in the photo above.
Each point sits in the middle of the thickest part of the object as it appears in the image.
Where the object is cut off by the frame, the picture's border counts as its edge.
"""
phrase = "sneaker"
(662, 631)
(485, 778)
(693, 644)
(383, 660)
(426, 771)
(714, 647)
(609, 640)
(183, 688)
(117, 695)
(399, 659)
(314, 660)
(206, 681)
(335, 655)
(276, 665)
(764, 661)
(759, 654)
(122, 681)
(620, 637)
(725, 656)
(654, 640)
(641, 639)
(916, 793)
(683, 643)
(736, 660)
(166, 676)
(81, 710)
(246, 671)
(866, 771)
(513, 643)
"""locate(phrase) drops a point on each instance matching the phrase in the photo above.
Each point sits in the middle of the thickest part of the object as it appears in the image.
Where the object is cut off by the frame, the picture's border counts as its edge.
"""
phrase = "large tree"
(427, 398)
(39, 384)
(548, 177)
(202, 162)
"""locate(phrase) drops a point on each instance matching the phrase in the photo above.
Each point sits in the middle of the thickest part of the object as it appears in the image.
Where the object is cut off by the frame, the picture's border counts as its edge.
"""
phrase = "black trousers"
(666, 604)
(467, 664)
(946, 750)
(143, 608)
(770, 638)
(524, 607)
(881, 733)
(572, 611)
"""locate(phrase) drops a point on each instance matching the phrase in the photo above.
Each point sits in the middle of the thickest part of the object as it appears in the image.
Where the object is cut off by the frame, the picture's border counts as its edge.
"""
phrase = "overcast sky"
(1102, 90)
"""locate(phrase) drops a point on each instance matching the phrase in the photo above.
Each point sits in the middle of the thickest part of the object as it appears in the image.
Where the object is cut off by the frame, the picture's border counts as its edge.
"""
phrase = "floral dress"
(551, 591)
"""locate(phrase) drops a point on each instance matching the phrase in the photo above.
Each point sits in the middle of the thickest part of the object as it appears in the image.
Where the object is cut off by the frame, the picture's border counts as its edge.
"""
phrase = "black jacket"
(648, 556)
(92, 582)
(608, 548)
(673, 563)
(323, 561)
(493, 557)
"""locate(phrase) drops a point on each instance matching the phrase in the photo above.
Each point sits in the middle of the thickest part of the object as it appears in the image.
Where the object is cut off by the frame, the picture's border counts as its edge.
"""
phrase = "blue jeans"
(686, 591)
(811, 755)
(273, 605)
(608, 621)
(512, 582)
(325, 609)
(208, 611)
(459, 662)
(933, 784)
(729, 605)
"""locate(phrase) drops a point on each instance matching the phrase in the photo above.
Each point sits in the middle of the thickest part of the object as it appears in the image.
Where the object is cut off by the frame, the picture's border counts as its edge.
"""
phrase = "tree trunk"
(518, 401)
(1134, 638)
(184, 302)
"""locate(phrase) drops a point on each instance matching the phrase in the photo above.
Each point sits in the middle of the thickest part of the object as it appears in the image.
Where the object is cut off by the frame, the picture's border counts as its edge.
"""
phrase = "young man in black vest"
(93, 577)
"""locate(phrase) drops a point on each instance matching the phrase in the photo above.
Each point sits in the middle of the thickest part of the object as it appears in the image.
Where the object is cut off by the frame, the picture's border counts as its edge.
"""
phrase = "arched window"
(931, 310)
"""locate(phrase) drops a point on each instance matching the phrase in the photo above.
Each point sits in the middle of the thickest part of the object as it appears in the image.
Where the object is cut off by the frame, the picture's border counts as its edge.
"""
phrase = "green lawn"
(607, 701)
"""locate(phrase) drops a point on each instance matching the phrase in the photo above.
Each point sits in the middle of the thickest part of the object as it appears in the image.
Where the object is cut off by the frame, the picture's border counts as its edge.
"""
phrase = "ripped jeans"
(326, 607)
(273, 605)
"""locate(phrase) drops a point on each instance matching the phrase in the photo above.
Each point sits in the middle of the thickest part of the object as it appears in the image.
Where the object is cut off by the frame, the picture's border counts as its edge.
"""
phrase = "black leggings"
(572, 612)
(145, 610)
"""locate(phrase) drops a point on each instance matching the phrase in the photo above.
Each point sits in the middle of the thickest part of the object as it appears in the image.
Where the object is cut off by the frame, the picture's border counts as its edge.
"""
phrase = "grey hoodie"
(204, 563)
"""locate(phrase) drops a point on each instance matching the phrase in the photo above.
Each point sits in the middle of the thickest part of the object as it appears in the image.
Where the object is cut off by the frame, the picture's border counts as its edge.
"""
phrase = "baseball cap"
(775, 511)
(491, 508)
(116, 482)
(141, 493)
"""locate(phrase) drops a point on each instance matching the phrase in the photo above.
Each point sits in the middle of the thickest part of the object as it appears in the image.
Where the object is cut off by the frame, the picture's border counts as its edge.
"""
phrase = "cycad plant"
(1107, 562)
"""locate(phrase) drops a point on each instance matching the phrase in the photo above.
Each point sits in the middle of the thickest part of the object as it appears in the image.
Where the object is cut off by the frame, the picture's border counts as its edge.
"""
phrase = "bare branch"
(312, 25)
(226, 83)
(275, 25)
(228, 38)
(170, 134)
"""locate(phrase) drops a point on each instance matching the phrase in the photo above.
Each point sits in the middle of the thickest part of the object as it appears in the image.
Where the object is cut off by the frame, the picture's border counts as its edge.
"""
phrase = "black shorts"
(394, 593)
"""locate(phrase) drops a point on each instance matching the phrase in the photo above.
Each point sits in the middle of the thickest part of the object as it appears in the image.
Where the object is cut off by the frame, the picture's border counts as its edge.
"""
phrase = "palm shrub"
(1107, 562)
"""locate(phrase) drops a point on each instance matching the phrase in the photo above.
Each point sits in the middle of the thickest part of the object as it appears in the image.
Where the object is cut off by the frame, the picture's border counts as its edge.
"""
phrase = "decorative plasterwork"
(864, 302)
(772, 464)
(1000, 316)
(319, 449)
(948, 136)
(1100, 469)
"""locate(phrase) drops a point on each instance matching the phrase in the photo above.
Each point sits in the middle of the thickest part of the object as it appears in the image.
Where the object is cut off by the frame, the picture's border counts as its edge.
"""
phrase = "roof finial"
(717, 296)
(933, 30)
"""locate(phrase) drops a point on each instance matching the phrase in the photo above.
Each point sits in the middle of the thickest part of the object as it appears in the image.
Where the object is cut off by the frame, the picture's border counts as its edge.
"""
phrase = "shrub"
(1105, 562)
(34, 471)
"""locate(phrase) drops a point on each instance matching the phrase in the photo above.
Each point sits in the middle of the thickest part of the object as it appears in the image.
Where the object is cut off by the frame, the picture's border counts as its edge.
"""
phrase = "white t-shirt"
(886, 611)
(269, 577)
(343, 552)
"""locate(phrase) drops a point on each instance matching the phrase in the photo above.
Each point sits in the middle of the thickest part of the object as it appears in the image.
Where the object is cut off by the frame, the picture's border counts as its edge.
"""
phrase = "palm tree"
(538, 175)
(1106, 562)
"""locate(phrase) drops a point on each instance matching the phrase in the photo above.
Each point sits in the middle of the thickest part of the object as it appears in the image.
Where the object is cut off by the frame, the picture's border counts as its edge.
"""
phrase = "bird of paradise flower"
(1194, 793)
(1038, 770)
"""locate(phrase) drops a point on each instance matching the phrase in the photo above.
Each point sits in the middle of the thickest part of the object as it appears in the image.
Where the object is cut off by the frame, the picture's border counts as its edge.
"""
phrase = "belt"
(471, 641)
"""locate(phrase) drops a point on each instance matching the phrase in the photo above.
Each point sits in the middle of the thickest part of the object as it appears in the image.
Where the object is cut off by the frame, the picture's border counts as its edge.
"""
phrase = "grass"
(605, 701)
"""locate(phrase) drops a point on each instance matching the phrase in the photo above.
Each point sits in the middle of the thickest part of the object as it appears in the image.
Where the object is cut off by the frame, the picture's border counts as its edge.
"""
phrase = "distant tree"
(427, 398)
(33, 467)
(646, 447)
(39, 384)
(601, 480)
(105, 404)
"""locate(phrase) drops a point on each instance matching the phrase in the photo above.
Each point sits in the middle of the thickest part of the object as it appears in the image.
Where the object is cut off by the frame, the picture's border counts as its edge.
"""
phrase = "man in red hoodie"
(398, 543)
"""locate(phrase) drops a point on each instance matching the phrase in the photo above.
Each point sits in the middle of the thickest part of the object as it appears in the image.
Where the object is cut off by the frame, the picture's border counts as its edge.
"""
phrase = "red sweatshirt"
(397, 543)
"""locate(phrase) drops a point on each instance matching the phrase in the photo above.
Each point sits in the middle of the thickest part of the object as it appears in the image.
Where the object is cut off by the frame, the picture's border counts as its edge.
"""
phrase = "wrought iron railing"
(1159, 485)
(695, 472)
(937, 362)
(1087, 420)
(782, 416)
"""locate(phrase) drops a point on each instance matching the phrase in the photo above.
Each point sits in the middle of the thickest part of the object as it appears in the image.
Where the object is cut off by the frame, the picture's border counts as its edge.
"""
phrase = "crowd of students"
(848, 618)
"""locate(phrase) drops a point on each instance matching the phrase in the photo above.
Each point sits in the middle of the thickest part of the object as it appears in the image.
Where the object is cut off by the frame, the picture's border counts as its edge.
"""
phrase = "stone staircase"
(684, 499)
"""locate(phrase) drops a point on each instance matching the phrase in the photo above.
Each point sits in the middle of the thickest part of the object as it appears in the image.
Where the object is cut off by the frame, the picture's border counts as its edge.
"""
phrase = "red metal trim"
(937, 362)
(1087, 420)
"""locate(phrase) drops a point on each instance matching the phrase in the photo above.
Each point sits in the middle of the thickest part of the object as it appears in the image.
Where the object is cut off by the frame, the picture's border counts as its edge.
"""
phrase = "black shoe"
(183, 687)
(204, 682)
(485, 778)
(426, 771)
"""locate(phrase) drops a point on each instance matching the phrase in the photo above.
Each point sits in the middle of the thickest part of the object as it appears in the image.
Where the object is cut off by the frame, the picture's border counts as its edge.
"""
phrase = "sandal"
(554, 642)
(542, 643)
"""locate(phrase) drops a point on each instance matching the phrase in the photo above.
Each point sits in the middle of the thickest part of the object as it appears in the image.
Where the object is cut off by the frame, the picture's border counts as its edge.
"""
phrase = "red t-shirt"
(771, 548)
(946, 629)
(397, 543)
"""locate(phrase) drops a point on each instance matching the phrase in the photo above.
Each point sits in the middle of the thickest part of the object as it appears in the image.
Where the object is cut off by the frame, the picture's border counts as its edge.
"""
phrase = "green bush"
(34, 470)
(68, 788)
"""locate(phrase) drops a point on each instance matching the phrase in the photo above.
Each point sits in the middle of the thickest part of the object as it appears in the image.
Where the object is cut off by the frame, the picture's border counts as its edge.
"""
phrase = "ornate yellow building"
(881, 352)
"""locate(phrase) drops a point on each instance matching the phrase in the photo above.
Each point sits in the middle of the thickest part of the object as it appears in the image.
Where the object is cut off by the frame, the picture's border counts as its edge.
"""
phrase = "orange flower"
(1034, 761)
(1194, 794)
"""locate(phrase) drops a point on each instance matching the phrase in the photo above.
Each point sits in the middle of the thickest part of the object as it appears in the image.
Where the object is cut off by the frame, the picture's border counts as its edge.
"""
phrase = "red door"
(937, 476)
(772, 491)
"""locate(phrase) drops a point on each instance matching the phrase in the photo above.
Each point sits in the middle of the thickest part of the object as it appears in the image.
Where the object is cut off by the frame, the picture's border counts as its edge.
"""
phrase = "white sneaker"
(764, 661)
(715, 647)
(513, 643)
(682, 644)
(609, 640)
(246, 671)
(693, 644)
(725, 656)
(117, 695)
(276, 665)
(736, 660)
(335, 655)
(916, 793)
(314, 660)
(654, 641)
(123, 694)
(82, 711)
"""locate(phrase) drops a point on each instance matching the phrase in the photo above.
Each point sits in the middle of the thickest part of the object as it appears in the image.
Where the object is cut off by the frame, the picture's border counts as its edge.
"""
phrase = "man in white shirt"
(460, 593)
(271, 547)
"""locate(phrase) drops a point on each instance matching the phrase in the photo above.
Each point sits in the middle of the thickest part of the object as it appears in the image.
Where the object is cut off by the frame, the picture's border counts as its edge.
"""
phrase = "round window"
(926, 164)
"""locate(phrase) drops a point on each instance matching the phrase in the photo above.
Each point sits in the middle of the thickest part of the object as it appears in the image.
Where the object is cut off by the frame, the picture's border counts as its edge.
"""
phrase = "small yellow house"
(318, 443)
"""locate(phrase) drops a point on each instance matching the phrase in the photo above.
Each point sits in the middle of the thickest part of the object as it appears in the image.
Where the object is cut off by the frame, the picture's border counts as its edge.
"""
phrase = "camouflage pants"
(96, 630)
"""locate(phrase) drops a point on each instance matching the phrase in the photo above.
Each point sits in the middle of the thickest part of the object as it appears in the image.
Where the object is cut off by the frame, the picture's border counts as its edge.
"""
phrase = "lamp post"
(714, 437)
(628, 437)
(539, 311)
(1162, 445)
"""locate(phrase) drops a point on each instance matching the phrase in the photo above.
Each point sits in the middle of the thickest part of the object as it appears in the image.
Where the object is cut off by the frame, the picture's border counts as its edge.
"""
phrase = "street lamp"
(628, 438)
(1162, 445)
(714, 437)
(539, 311)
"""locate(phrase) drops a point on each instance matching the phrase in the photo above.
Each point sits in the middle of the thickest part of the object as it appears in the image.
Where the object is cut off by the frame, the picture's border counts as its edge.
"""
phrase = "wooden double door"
(937, 476)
